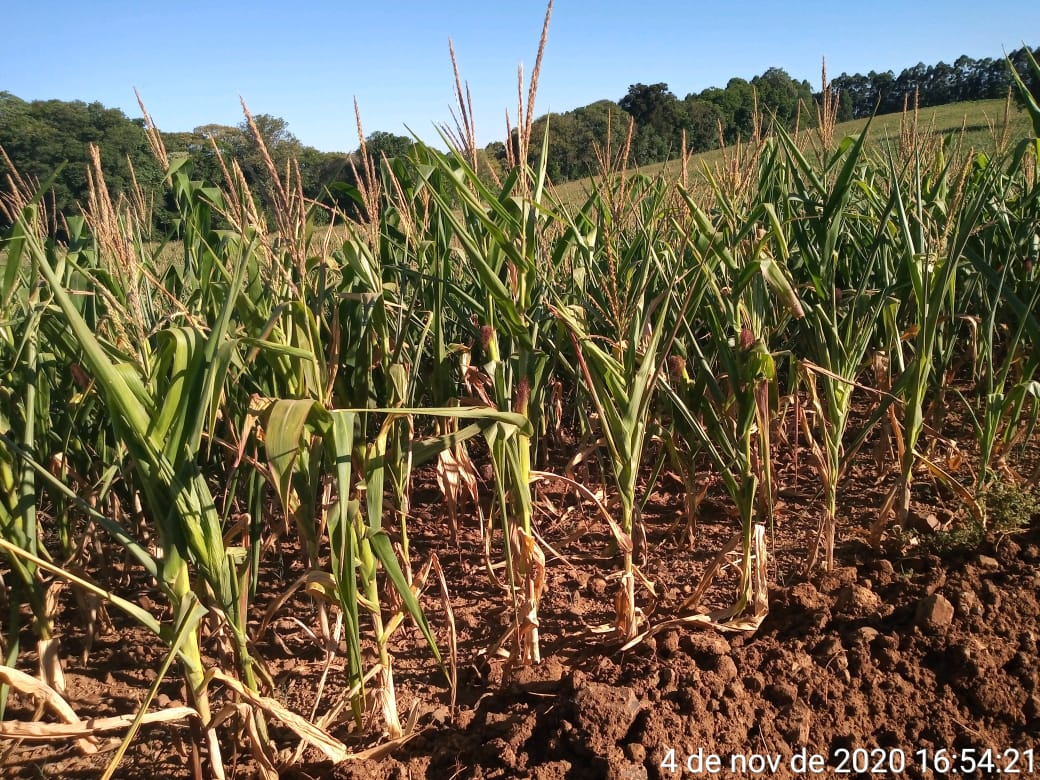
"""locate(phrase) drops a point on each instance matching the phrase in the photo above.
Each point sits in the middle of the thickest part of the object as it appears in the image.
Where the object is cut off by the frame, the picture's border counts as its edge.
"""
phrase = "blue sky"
(307, 60)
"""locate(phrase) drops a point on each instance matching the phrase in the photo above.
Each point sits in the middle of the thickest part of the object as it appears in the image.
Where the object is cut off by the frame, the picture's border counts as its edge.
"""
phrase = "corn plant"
(500, 235)
(1004, 257)
(18, 493)
(842, 302)
(932, 228)
(726, 402)
(620, 382)
(359, 544)
(619, 372)
(159, 406)
(49, 418)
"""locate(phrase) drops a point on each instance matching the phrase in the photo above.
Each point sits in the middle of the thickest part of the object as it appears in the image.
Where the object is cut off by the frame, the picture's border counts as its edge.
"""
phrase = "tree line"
(722, 115)
(662, 121)
(930, 85)
(42, 137)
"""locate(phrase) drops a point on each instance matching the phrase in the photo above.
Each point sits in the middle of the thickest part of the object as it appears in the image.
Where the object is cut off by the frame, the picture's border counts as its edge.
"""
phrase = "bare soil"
(900, 652)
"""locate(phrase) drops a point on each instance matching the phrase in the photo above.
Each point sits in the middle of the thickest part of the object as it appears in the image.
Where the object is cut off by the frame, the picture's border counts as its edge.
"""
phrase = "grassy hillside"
(978, 125)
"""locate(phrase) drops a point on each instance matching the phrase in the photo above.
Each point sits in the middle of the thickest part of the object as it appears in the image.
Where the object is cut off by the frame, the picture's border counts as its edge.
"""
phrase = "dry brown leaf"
(267, 769)
(306, 730)
(45, 732)
(455, 473)
(30, 686)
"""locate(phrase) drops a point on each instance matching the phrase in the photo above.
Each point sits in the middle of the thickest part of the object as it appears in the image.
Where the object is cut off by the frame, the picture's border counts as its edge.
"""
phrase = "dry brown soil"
(892, 657)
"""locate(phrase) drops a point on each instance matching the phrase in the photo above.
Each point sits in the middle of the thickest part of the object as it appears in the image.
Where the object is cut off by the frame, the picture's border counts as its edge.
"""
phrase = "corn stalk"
(726, 404)
(842, 303)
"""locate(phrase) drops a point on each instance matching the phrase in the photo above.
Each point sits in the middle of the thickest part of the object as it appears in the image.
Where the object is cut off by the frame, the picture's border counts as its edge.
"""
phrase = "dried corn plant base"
(872, 624)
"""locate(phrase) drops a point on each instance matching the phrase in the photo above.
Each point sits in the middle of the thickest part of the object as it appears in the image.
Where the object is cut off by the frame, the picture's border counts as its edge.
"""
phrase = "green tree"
(206, 143)
(281, 146)
(381, 143)
(660, 120)
(736, 104)
(703, 120)
(42, 135)
(577, 137)
(780, 96)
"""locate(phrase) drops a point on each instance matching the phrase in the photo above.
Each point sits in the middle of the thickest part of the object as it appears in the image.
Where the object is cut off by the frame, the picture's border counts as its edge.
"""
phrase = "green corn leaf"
(286, 420)
(13, 245)
(340, 446)
(384, 552)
